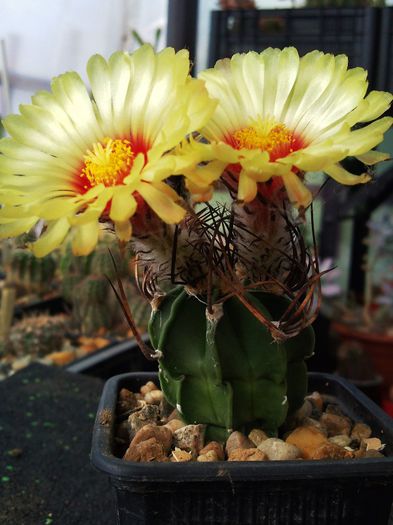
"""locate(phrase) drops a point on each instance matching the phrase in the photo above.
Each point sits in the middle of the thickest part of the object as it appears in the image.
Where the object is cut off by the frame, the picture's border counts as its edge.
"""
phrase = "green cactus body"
(227, 372)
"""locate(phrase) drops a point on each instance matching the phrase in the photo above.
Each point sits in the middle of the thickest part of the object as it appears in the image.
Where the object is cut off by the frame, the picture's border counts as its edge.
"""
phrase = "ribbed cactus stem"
(223, 369)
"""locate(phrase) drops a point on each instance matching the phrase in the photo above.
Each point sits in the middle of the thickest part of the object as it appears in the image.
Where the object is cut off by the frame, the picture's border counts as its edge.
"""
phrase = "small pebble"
(373, 443)
(154, 397)
(361, 431)
(335, 424)
(237, 440)
(162, 435)
(127, 401)
(180, 456)
(247, 454)
(257, 436)
(307, 440)
(210, 455)
(149, 414)
(311, 422)
(190, 438)
(316, 400)
(216, 447)
(149, 450)
(278, 450)
(342, 440)
(148, 387)
(331, 451)
(175, 424)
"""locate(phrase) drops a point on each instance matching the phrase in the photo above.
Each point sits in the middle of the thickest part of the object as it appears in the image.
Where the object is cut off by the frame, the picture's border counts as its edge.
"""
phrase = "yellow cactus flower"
(280, 116)
(72, 160)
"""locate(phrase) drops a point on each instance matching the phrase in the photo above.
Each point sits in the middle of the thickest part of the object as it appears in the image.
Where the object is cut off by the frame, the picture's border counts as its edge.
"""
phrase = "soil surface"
(46, 421)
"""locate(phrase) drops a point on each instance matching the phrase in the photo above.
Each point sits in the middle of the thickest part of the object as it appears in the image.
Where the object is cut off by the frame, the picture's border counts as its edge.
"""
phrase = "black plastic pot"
(236, 493)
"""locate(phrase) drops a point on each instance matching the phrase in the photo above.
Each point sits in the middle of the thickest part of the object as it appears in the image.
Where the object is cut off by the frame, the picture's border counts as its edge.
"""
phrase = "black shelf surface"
(46, 421)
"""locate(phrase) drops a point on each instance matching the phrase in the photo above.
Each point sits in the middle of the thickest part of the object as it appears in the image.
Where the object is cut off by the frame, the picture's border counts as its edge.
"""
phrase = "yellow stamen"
(265, 135)
(109, 162)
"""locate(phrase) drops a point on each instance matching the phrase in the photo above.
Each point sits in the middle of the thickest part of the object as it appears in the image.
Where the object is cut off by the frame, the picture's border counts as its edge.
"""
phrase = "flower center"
(109, 162)
(267, 135)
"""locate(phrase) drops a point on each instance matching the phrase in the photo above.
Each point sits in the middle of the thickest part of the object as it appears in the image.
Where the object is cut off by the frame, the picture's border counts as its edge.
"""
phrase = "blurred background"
(354, 226)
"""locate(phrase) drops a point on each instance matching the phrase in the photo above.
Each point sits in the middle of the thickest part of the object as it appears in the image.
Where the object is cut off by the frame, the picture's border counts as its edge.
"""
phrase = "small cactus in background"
(92, 305)
(29, 274)
(36, 335)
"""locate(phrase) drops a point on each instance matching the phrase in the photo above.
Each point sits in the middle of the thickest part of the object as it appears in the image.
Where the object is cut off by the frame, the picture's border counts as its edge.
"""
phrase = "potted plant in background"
(232, 287)
(365, 325)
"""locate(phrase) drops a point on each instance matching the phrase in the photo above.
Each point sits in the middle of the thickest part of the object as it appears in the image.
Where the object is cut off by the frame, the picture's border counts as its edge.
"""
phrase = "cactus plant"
(36, 335)
(29, 274)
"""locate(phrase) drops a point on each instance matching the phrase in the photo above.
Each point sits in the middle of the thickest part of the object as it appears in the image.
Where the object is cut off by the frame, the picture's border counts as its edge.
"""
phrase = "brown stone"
(180, 456)
(311, 422)
(127, 400)
(190, 438)
(237, 440)
(316, 400)
(331, 451)
(210, 455)
(373, 443)
(216, 447)
(342, 440)
(162, 435)
(149, 450)
(247, 454)
(148, 387)
(175, 424)
(307, 440)
(335, 424)
(360, 431)
(257, 435)
(154, 397)
(147, 415)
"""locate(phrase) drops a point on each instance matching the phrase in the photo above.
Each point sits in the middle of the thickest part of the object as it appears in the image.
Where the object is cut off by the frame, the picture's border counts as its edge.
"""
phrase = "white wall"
(46, 37)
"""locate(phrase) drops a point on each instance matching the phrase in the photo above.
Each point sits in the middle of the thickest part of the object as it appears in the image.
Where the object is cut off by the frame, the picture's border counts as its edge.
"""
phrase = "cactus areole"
(224, 370)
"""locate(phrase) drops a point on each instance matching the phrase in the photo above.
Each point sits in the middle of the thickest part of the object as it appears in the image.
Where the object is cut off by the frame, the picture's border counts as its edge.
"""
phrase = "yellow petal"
(248, 187)
(298, 194)
(15, 228)
(123, 205)
(123, 230)
(85, 238)
(51, 239)
(372, 157)
(341, 175)
(162, 203)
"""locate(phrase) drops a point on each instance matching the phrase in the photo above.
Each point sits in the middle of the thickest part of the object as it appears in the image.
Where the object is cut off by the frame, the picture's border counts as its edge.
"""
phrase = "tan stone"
(257, 435)
(331, 451)
(175, 424)
(149, 450)
(342, 440)
(147, 415)
(316, 400)
(127, 400)
(361, 431)
(311, 422)
(210, 455)
(162, 435)
(335, 424)
(190, 438)
(307, 440)
(216, 447)
(180, 456)
(247, 454)
(237, 440)
(373, 443)
(154, 397)
(148, 387)
(278, 450)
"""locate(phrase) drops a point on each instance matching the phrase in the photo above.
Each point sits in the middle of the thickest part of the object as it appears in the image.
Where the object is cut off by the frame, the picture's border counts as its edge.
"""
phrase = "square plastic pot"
(252, 493)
